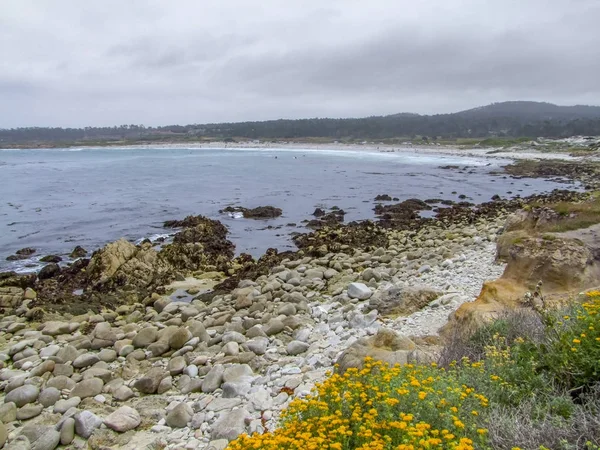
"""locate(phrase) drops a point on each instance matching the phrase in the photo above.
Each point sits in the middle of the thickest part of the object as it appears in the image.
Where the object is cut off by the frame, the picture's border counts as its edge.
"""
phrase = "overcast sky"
(109, 62)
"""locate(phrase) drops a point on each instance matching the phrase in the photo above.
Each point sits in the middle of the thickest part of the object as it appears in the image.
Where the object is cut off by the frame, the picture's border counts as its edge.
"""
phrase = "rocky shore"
(106, 354)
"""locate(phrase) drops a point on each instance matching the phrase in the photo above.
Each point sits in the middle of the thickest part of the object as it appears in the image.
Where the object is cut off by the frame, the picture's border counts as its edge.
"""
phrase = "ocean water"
(55, 199)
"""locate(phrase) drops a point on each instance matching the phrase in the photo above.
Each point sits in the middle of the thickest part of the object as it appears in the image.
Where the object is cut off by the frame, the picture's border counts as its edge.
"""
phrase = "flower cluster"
(380, 407)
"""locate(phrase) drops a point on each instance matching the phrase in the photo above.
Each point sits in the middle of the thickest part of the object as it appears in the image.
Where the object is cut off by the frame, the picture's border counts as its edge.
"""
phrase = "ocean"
(55, 199)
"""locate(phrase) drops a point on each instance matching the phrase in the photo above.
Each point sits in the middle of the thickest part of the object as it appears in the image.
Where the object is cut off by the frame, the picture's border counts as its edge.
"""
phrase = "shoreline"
(422, 149)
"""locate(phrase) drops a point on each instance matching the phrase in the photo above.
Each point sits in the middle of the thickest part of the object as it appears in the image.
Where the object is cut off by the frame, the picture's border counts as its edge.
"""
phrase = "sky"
(71, 63)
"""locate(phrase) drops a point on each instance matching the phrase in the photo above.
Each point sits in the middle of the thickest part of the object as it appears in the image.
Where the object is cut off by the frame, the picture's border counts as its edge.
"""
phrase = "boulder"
(148, 384)
(41, 437)
(403, 299)
(49, 271)
(22, 395)
(123, 419)
(230, 424)
(86, 422)
(179, 416)
(387, 346)
(359, 291)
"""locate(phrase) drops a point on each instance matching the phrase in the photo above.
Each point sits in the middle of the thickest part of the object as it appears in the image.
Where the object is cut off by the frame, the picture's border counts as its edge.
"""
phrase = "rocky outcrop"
(364, 235)
(201, 246)
(122, 265)
(560, 264)
(260, 212)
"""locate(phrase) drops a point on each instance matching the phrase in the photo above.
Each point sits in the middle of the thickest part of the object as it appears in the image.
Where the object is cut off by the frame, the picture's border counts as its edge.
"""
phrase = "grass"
(574, 216)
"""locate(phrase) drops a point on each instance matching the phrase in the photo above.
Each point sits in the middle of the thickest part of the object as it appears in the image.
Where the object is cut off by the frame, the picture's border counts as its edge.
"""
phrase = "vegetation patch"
(529, 380)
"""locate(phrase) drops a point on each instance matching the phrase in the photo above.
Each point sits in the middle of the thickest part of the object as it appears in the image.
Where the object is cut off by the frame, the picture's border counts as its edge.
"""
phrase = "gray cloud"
(66, 63)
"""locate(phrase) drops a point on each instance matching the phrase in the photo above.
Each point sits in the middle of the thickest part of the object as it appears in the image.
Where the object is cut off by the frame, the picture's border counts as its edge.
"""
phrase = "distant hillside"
(532, 111)
(507, 119)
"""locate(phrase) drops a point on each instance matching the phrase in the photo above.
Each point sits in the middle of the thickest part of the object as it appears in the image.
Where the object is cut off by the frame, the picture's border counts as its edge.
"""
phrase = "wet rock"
(49, 271)
(78, 252)
(260, 212)
(51, 259)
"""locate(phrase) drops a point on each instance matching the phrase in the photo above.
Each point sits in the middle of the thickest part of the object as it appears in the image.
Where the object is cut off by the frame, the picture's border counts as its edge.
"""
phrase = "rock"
(218, 444)
(78, 252)
(86, 422)
(123, 393)
(29, 411)
(122, 264)
(258, 345)
(49, 396)
(359, 291)
(67, 431)
(123, 419)
(296, 347)
(386, 346)
(22, 395)
(87, 388)
(85, 360)
(238, 373)
(51, 259)
(201, 246)
(63, 406)
(49, 271)
(275, 326)
(145, 337)
(403, 299)
(179, 416)
(230, 424)
(213, 379)
(8, 412)
(148, 384)
(3, 434)
(231, 348)
(176, 365)
(41, 437)
(179, 338)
